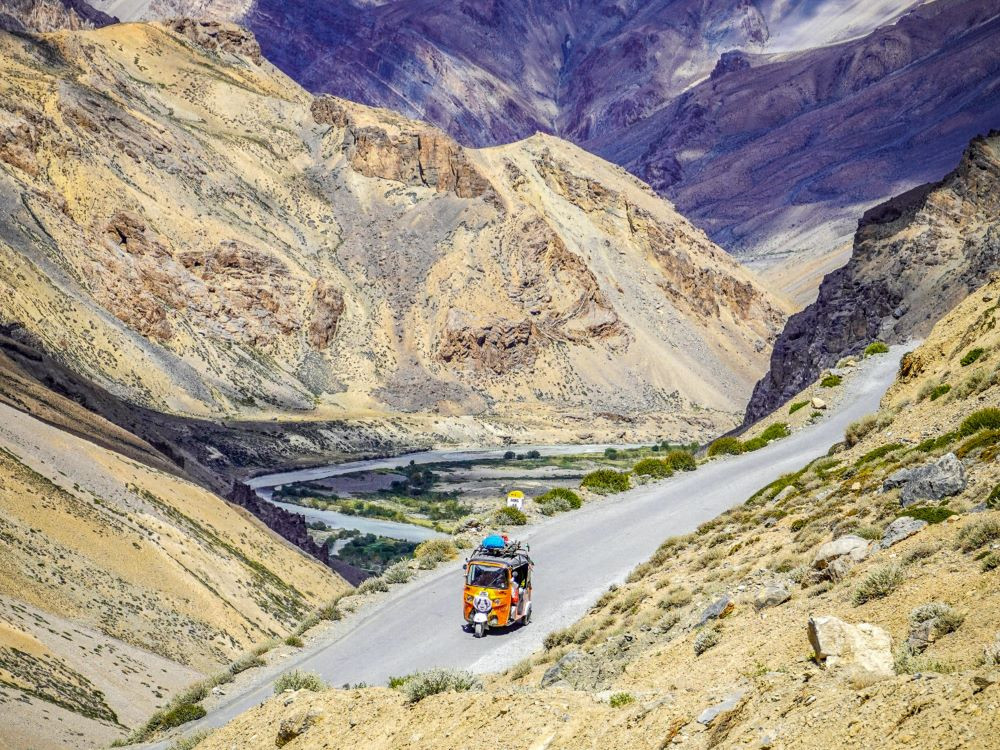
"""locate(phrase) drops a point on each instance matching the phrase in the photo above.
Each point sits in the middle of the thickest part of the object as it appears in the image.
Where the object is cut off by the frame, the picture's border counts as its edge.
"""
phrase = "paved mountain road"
(577, 556)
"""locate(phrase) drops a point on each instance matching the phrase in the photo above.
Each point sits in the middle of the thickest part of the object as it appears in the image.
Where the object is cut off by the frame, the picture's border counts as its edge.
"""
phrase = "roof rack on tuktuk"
(496, 545)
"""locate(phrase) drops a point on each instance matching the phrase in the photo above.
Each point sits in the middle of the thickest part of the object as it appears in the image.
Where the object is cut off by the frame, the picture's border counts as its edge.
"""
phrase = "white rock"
(862, 647)
(818, 403)
(851, 546)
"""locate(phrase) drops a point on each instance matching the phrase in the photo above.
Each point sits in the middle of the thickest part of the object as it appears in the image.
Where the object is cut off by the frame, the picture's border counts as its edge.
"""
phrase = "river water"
(265, 484)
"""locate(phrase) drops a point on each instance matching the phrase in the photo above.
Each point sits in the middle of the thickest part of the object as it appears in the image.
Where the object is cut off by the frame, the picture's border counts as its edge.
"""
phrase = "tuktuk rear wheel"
(480, 630)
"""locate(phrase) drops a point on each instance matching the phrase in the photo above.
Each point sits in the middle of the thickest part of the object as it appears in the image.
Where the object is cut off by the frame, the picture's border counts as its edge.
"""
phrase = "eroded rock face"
(862, 647)
(219, 37)
(328, 306)
(915, 257)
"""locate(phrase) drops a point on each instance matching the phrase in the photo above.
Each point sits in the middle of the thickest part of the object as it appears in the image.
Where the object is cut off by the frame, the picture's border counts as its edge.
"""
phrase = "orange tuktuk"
(497, 589)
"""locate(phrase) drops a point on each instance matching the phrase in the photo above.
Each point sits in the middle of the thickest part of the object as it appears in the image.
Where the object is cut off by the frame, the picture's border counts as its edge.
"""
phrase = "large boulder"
(771, 595)
(717, 610)
(861, 648)
(930, 481)
(558, 672)
(834, 559)
(900, 529)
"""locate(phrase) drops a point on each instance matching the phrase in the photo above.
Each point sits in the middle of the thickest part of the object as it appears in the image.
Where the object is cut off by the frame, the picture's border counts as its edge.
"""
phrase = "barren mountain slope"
(914, 258)
(144, 579)
(706, 645)
(194, 232)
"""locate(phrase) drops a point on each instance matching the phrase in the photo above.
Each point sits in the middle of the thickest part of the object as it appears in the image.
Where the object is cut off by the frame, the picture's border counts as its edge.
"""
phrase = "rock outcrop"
(856, 648)
(931, 481)
(914, 258)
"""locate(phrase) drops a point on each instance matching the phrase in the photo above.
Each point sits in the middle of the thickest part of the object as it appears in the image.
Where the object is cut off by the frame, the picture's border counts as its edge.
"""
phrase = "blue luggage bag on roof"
(494, 541)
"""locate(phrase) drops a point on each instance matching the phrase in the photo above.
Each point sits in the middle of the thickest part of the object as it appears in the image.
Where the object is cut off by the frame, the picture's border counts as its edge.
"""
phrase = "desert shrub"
(929, 513)
(434, 551)
(611, 453)
(705, 640)
(553, 506)
(907, 662)
(565, 494)
(605, 481)
(296, 680)
(621, 699)
(879, 583)
(990, 562)
(972, 536)
(880, 452)
(373, 586)
(753, 444)
(181, 714)
(797, 405)
(991, 654)
(510, 516)
(418, 686)
(330, 612)
(245, 662)
(776, 431)
(939, 390)
(876, 347)
(675, 598)
(533, 454)
(398, 573)
(725, 446)
(993, 499)
(519, 670)
(946, 619)
(859, 429)
(294, 641)
(933, 444)
(983, 419)
(869, 532)
(681, 460)
(769, 491)
(831, 381)
(191, 741)
(558, 638)
(972, 355)
(509, 455)
(628, 602)
(653, 467)
(921, 551)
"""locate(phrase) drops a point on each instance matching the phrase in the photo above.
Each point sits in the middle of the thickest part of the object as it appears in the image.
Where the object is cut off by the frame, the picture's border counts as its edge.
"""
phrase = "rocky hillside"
(120, 583)
(197, 235)
(914, 258)
(50, 15)
(851, 603)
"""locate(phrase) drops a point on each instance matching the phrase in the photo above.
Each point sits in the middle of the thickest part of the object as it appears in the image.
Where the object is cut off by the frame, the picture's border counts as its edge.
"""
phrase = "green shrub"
(984, 419)
(553, 506)
(939, 390)
(831, 381)
(509, 455)
(572, 499)
(605, 481)
(179, 715)
(434, 551)
(621, 699)
(418, 686)
(859, 429)
(797, 405)
(880, 452)
(991, 562)
(681, 460)
(879, 583)
(533, 454)
(907, 662)
(776, 431)
(753, 444)
(511, 516)
(972, 536)
(982, 439)
(396, 574)
(942, 441)
(611, 453)
(972, 355)
(653, 467)
(706, 639)
(725, 446)
(296, 680)
(876, 347)
(294, 641)
(245, 662)
(929, 513)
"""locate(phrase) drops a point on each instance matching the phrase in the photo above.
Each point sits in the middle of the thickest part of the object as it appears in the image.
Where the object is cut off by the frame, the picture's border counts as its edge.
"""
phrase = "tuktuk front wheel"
(480, 629)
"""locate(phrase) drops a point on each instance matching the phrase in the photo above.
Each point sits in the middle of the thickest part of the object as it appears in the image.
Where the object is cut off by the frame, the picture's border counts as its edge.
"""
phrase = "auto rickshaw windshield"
(486, 576)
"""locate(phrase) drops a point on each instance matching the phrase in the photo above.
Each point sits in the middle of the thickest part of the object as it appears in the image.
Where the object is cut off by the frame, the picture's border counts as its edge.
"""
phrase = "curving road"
(577, 556)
